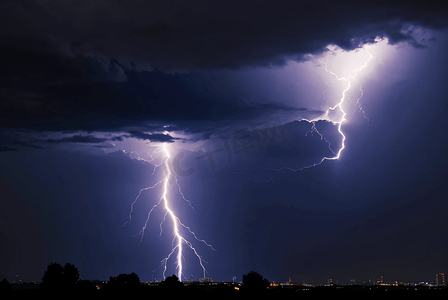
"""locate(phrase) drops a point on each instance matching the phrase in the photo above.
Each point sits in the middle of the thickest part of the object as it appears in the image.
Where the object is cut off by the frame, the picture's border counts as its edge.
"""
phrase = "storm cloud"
(113, 65)
(178, 35)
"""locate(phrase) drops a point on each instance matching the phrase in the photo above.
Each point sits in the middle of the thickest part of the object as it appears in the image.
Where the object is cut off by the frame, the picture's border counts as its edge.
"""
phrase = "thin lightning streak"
(183, 196)
(360, 108)
(142, 231)
(313, 129)
(161, 223)
(135, 200)
(324, 92)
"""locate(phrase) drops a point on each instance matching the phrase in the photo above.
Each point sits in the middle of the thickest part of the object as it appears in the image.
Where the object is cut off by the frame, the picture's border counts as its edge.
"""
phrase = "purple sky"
(90, 91)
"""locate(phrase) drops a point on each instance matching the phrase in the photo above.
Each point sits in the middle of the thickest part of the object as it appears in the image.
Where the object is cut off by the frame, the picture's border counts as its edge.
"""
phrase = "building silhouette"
(440, 279)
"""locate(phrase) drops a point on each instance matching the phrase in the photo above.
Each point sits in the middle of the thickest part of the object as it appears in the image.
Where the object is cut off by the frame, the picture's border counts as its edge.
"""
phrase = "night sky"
(92, 94)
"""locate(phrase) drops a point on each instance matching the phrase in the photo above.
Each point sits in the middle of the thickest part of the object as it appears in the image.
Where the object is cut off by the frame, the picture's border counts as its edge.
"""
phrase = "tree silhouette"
(124, 282)
(5, 285)
(57, 277)
(253, 281)
(172, 283)
(70, 275)
(53, 276)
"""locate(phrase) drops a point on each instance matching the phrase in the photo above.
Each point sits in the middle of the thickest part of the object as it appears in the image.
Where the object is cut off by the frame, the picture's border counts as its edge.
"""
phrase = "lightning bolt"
(179, 240)
(174, 219)
(337, 107)
(348, 79)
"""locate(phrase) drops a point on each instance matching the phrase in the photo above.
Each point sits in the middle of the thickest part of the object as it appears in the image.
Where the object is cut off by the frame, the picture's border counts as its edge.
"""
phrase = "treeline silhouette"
(63, 281)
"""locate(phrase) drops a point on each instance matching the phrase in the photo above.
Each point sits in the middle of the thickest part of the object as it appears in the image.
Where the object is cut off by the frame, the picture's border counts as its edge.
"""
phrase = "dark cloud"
(176, 35)
(6, 148)
(78, 65)
(27, 145)
(152, 137)
(117, 139)
(278, 107)
(84, 139)
(52, 95)
(11, 142)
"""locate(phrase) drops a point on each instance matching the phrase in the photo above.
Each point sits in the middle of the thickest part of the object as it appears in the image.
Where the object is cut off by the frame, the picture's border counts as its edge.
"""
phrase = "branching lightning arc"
(337, 107)
(348, 79)
(179, 238)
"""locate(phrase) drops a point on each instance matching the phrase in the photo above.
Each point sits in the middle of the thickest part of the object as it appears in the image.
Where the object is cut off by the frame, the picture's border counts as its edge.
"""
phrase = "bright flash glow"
(179, 239)
(347, 68)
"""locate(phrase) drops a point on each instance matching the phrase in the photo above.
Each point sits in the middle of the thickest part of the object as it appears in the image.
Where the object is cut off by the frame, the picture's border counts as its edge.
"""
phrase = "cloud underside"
(192, 35)
(105, 65)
